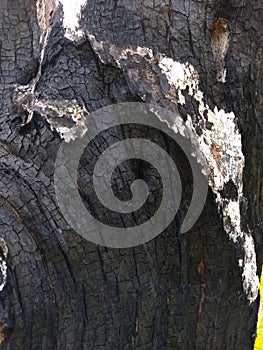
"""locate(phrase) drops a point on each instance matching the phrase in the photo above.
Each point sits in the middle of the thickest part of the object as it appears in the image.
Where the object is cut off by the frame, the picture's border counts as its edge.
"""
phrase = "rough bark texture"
(177, 291)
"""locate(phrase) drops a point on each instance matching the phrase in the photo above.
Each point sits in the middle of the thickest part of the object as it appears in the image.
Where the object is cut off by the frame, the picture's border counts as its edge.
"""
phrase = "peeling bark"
(195, 290)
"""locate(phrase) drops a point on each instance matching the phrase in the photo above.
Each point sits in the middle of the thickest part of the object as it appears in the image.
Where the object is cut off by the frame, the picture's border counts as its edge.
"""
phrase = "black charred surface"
(176, 291)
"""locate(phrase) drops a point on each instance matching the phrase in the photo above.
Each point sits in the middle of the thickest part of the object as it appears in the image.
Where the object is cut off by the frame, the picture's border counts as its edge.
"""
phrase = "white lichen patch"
(3, 273)
(64, 116)
(72, 11)
(182, 76)
(67, 117)
(220, 144)
(3, 264)
(119, 55)
(250, 279)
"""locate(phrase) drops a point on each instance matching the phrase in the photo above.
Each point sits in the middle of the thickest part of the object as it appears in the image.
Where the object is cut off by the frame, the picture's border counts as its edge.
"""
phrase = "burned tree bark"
(179, 291)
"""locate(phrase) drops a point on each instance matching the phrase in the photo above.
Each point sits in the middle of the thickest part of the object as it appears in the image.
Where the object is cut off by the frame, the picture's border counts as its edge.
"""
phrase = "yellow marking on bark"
(259, 339)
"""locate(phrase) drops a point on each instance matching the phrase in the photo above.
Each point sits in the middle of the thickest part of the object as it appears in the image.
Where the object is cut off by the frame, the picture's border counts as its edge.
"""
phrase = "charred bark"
(178, 291)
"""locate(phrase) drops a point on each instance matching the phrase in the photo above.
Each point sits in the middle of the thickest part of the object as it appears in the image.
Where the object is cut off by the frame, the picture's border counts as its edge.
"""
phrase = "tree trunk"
(200, 60)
